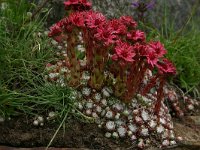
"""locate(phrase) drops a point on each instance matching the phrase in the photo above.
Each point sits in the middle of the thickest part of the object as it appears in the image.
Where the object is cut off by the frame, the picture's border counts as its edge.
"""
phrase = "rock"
(194, 119)
(1, 119)
(191, 135)
(116, 8)
(39, 148)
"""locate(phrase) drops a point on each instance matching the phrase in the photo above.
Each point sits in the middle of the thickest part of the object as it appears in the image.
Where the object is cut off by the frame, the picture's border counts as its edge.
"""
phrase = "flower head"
(166, 67)
(77, 19)
(94, 19)
(124, 51)
(152, 58)
(105, 33)
(140, 49)
(158, 48)
(154, 51)
(118, 26)
(136, 36)
(128, 21)
(55, 30)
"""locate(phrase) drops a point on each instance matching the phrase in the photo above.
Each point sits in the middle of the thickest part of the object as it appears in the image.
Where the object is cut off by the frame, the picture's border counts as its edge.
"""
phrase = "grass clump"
(184, 52)
(24, 52)
(183, 49)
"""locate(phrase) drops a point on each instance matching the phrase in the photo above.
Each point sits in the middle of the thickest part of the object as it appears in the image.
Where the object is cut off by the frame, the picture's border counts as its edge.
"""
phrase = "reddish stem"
(150, 85)
(159, 96)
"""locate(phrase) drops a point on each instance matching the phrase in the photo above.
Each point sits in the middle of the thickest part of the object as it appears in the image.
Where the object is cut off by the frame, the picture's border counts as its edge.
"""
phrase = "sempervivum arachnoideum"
(144, 131)
(145, 115)
(106, 92)
(110, 125)
(88, 107)
(138, 120)
(118, 107)
(103, 103)
(110, 114)
(122, 131)
(190, 103)
(96, 97)
(86, 91)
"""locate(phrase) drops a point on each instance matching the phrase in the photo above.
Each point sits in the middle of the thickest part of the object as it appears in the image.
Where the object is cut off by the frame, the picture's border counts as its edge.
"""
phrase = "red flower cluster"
(106, 34)
(128, 21)
(124, 51)
(116, 41)
(55, 30)
(94, 19)
(136, 36)
(166, 67)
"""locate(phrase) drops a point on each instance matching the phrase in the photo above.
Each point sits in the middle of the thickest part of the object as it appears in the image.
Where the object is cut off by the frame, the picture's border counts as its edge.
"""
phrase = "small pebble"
(190, 107)
(35, 122)
(122, 131)
(165, 143)
(117, 116)
(108, 135)
(145, 132)
(173, 142)
(130, 133)
(52, 114)
(59, 47)
(98, 109)
(115, 135)
(104, 102)
(88, 111)
(100, 126)
(40, 119)
(54, 42)
(126, 112)
(94, 115)
(141, 144)
(179, 138)
(110, 125)
(133, 137)
(109, 114)
(1, 119)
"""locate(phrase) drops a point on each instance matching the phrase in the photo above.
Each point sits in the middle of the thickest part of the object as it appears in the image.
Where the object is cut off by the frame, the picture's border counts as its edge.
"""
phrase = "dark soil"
(20, 132)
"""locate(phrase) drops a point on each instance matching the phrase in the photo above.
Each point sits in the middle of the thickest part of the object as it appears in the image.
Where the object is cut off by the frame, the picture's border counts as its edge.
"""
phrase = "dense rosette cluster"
(116, 41)
(114, 53)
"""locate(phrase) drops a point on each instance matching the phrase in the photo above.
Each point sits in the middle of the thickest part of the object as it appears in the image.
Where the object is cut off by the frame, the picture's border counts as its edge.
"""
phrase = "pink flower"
(105, 34)
(128, 21)
(67, 24)
(140, 49)
(154, 51)
(77, 19)
(118, 26)
(152, 58)
(55, 30)
(136, 36)
(124, 51)
(166, 67)
(158, 48)
(94, 19)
